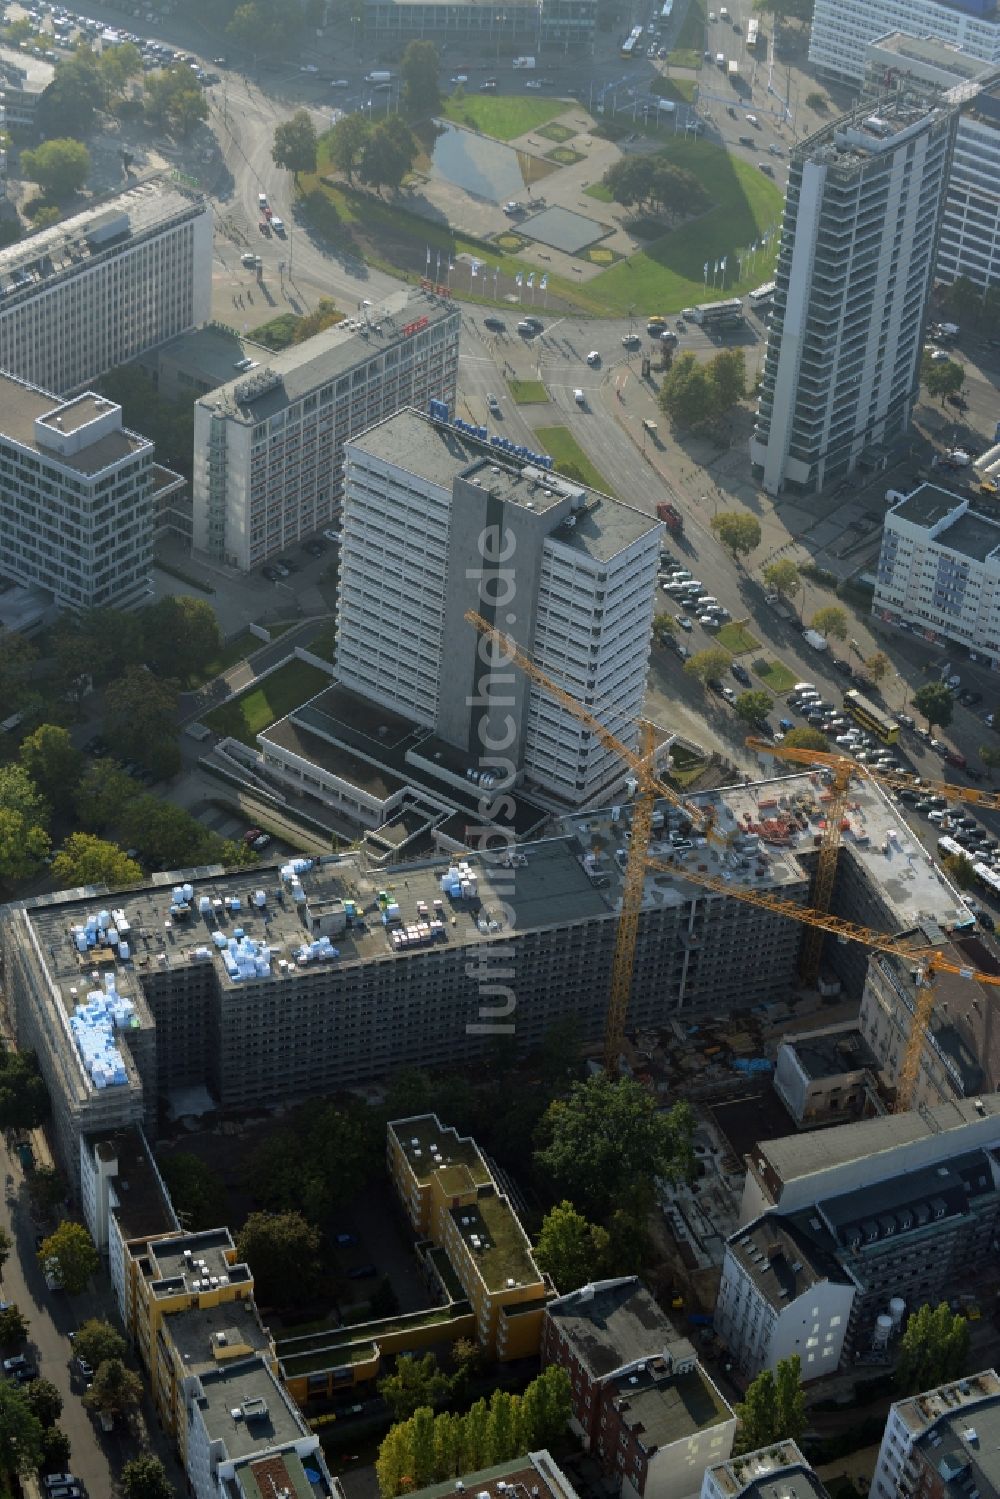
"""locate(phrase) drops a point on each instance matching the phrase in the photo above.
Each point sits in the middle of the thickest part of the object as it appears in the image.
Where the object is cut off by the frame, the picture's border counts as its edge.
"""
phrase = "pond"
(482, 167)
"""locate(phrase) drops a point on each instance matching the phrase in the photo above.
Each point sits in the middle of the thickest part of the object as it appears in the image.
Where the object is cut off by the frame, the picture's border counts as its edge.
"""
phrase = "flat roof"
(439, 453)
(22, 405)
(768, 1473)
(209, 353)
(832, 1052)
(48, 254)
(612, 1323)
(799, 1155)
(974, 535)
(266, 1418)
(276, 1473)
(784, 1258)
(190, 1262)
(492, 1231)
(523, 1477)
(144, 1208)
(928, 505)
(669, 1408)
(289, 374)
(210, 1336)
(423, 1139)
(919, 1413)
(931, 51)
(850, 142)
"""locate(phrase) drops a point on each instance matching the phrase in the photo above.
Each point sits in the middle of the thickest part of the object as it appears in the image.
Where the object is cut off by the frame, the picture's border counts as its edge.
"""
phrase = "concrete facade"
(842, 30)
(943, 1443)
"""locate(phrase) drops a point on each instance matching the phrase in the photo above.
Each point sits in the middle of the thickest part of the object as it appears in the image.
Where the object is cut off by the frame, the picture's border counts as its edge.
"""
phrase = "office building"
(944, 1444)
(960, 1053)
(867, 1221)
(828, 1076)
(643, 1405)
(269, 443)
(451, 1198)
(94, 291)
(401, 955)
(855, 266)
(492, 33)
(76, 498)
(536, 1476)
(24, 77)
(843, 30)
(939, 569)
(765, 1474)
(581, 567)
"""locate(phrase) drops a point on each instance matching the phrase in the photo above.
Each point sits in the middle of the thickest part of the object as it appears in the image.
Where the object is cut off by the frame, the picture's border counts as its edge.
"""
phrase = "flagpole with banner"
(544, 284)
(706, 275)
(437, 276)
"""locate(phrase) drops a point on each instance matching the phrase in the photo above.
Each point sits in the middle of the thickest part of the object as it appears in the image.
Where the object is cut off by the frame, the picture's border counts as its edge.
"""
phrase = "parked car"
(20, 1368)
(333, 535)
(270, 573)
(728, 694)
(740, 673)
(362, 1272)
(345, 1241)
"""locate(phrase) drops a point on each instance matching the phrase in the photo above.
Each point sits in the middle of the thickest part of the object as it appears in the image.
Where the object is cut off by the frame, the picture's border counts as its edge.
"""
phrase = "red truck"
(671, 517)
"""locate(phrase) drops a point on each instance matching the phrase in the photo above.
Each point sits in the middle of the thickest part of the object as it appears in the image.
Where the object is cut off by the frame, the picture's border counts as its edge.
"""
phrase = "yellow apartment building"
(451, 1198)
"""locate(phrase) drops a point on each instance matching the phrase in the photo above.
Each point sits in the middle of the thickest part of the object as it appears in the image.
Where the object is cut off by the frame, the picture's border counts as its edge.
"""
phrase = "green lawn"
(558, 133)
(563, 448)
(737, 638)
(527, 392)
(276, 696)
(681, 90)
(600, 192)
(669, 274)
(776, 675)
(243, 644)
(502, 116)
(565, 156)
(692, 34)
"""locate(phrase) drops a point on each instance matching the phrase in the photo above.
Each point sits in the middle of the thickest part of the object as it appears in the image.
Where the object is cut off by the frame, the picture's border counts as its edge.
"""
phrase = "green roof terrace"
(497, 1242)
(429, 1147)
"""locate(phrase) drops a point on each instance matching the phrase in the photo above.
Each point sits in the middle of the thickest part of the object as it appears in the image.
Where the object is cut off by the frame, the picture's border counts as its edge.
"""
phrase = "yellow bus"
(875, 720)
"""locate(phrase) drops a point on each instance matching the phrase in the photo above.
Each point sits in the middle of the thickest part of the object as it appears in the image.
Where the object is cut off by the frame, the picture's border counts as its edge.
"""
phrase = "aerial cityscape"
(499, 840)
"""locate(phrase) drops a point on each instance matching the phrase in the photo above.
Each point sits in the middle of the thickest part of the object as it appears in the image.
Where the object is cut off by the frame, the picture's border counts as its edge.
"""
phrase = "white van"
(804, 687)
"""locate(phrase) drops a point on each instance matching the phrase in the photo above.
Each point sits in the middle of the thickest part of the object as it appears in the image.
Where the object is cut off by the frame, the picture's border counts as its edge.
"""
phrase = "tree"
(831, 620)
(990, 756)
(664, 624)
(196, 1191)
(687, 395)
(45, 1400)
(738, 532)
(782, 577)
(758, 1413)
(942, 377)
(48, 1189)
(86, 860)
(960, 869)
(965, 299)
(180, 634)
(502, 1428)
(116, 65)
(18, 793)
(60, 167)
(97, 1342)
(393, 1466)
(935, 703)
(388, 153)
(790, 1399)
(66, 109)
(606, 1142)
(53, 763)
(324, 315)
(115, 1389)
(24, 1100)
(141, 717)
(709, 664)
(56, 1448)
(103, 794)
(145, 1477)
(13, 1326)
(753, 707)
(569, 1249)
(21, 1434)
(933, 1350)
(174, 98)
(164, 834)
(806, 738)
(345, 142)
(6, 1245)
(728, 372)
(282, 1250)
(419, 72)
(18, 658)
(76, 1260)
(877, 666)
(414, 1382)
(294, 146)
(23, 846)
(264, 26)
(546, 1407)
(817, 101)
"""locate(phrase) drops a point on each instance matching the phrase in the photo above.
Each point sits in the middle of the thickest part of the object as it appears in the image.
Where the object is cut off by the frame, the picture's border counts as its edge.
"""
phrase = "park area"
(570, 459)
(260, 706)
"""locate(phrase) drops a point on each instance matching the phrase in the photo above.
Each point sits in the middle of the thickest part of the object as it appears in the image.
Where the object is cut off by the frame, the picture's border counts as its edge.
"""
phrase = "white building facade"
(854, 272)
(96, 290)
(268, 446)
(842, 30)
(939, 570)
(76, 499)
(927, 1416)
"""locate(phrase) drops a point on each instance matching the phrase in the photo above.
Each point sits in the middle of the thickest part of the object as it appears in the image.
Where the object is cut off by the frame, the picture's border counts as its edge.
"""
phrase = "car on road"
(740, 673)
(535, 83)
(747, 140)
(938, 356)
(684, 622)
(579, 396)
(55, 1480)
(594, 358)
(340, 83)
(262, 841)
(752, 120)
(333, 535)
(775, 149)
(495, 324)
(20, 1368)
(631, 341)
(728, 694)
(493, 404)
(766, 168)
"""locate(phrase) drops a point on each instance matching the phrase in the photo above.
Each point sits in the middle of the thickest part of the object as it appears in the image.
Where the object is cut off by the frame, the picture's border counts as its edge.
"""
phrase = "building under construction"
(251, 988)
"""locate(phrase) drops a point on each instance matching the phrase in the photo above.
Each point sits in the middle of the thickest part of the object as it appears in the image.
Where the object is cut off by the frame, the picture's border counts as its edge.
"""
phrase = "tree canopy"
(933, 1350)
(388, 153)
(103, 793)
(145, 1477)
(934, 702)
(115, 1389)
(60, 167)
(569, 1249)
(13, 1326)
(21, 1432)
(738, 531)
(282, 1250)
(53, 763)
(606, 1142)
(173, 97)
(45, 1401)
(805, 737)
(180, 635)
(942, 377)
(419, 72)
(294, 146)
(708, 664)
(320, 1159)
(86, 860)
(98, 1341)
(414, 1382)
(782, 577)
(67, 107)
(694, 394)
(773, 1408)
(141, 718)
(72, 1249)
(345, 141)
(196, 1191)
(753, 707)
(24, 1100)
(831, 621)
